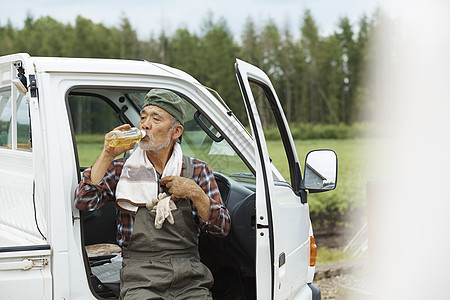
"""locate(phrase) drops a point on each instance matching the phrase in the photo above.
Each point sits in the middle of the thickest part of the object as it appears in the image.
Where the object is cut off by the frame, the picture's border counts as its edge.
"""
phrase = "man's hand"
(181, 187)
(115, 151)
(107, 155)
(185, 188)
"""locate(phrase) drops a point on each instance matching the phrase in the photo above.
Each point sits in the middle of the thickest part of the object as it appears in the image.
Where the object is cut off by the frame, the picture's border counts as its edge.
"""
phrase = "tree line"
(319, 79)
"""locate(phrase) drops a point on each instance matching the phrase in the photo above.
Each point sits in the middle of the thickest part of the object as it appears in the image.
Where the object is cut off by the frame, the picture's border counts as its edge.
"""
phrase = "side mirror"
(320, 171)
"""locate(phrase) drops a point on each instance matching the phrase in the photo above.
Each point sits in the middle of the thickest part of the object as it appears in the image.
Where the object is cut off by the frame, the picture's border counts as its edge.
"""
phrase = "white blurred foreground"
(409, 223)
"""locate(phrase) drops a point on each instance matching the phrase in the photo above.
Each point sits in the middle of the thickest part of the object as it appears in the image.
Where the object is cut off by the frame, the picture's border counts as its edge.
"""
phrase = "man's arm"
(90, 196)
(99, 182)
(99, 168)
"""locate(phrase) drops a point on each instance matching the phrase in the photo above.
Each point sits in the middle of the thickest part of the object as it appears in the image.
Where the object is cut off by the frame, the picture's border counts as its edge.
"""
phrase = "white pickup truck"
(49, 107)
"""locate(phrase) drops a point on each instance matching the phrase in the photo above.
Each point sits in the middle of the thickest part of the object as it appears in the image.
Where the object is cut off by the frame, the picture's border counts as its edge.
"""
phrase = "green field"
(354, 156)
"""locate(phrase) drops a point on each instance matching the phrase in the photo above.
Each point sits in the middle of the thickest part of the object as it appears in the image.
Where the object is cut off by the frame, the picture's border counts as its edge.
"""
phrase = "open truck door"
(282, 258)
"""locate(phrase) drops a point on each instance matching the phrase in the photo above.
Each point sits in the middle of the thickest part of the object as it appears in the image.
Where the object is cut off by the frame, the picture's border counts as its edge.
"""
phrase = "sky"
(151, 16)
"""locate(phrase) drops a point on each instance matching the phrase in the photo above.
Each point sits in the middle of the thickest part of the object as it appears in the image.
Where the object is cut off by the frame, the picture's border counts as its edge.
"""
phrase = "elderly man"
(158, 234)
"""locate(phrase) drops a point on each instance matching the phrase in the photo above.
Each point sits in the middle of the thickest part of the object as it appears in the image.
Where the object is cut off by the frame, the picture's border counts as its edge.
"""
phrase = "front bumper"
(315, 291)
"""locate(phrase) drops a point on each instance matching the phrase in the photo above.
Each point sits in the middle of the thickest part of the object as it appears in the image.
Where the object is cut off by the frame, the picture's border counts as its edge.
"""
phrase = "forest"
(320, 80)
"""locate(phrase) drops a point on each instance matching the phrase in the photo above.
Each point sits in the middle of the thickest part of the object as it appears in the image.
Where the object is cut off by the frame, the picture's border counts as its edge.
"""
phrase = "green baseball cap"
(167, 100)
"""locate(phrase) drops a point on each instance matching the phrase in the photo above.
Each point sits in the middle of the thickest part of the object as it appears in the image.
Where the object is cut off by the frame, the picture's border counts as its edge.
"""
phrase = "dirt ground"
(342, 280)
(351, 286)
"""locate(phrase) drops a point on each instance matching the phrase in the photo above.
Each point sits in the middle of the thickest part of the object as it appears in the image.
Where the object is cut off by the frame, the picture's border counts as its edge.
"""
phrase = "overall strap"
(189, 171)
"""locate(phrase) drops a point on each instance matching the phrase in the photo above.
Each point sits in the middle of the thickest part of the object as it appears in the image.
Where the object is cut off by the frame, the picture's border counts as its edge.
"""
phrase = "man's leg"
(145, 279)
(192, 279)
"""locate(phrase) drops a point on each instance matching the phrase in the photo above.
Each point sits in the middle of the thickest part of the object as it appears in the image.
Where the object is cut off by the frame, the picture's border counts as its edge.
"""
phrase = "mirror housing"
(320, 171)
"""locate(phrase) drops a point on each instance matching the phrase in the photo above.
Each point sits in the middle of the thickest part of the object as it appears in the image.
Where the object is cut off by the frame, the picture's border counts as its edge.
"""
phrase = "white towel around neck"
(138, 182)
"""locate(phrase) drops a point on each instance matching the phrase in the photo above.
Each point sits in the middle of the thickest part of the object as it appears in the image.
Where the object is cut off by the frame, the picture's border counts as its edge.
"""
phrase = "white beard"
(152, 146)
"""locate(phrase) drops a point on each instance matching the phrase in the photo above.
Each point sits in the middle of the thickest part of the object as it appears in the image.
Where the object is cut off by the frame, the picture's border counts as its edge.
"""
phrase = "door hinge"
(33, 86)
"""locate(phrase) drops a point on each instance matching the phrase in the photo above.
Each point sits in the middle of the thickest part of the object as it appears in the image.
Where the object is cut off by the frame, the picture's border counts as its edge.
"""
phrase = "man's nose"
(146, 124)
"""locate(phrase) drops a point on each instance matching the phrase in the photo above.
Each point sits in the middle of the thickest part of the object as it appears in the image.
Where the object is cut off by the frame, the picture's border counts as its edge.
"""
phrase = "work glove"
(182, 188)
(163, 207)
(186, 188)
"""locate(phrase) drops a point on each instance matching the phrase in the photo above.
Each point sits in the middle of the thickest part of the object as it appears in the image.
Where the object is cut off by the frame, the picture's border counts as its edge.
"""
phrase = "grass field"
(354, 171)
(354, 156)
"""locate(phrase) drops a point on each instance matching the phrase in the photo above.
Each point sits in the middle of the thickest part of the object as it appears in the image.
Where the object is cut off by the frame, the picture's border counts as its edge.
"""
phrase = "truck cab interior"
(232, 259)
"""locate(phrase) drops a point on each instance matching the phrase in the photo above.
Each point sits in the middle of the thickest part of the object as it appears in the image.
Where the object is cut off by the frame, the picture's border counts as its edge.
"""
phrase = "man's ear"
(176, 132)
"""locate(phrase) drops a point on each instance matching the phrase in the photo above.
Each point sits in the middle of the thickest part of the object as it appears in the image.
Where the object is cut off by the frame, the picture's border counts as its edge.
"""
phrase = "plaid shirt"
(90, 197)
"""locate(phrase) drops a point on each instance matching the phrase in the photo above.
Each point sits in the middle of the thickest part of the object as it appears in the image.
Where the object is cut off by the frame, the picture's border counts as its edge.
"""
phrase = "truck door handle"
(25, 265)
(281, 259)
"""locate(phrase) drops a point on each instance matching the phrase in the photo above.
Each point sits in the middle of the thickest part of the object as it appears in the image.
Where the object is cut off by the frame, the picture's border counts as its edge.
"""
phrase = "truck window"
(92, 117)
(219, 155)
(272, 134)
(5, 118)
(94, 112)
(22, 124)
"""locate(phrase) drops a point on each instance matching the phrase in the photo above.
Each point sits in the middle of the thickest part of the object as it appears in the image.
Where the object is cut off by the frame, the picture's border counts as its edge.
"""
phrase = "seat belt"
(189, 171)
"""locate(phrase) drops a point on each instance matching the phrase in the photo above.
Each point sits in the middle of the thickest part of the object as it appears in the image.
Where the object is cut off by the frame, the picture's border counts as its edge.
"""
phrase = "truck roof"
(98, 65)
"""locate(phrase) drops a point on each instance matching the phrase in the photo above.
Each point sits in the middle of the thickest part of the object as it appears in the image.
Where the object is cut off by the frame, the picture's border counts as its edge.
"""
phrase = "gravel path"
(344, 281)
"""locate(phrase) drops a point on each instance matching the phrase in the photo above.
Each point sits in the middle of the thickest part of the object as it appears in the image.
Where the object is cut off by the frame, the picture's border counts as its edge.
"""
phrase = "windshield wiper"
(243, 175)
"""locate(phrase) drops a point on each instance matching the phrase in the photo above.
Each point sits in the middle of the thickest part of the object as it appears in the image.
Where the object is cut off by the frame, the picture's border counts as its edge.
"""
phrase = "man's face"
(157, 123)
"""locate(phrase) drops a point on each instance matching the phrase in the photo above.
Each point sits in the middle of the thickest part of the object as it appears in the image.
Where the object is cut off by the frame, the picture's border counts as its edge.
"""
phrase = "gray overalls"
(165, 263)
